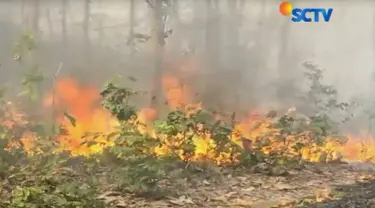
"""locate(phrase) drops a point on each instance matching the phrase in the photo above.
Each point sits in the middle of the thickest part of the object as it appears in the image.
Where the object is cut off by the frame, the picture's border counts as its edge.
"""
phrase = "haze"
(235, 57)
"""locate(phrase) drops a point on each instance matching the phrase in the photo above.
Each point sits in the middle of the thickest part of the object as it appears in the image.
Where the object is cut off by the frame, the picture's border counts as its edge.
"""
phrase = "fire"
(359, 149)
(11, 119)
(145, 116)
(82, 102)
(177, 94)
(91, 120)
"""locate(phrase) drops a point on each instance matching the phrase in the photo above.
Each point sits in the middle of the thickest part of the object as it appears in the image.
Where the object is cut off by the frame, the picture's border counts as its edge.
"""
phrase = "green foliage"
(116, 100)
(137, 169)
(140, 175)
(48, 179)
(177, 123)
(321, 103)
(41, 179)
(31, 83)
(141, 169)
(48, 182)
(189, 126)
(5, 157)
(32, 76)
(71, 119)
(321, 99)
(25, 44)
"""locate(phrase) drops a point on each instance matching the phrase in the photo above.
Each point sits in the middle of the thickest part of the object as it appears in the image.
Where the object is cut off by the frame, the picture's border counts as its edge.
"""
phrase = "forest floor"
(346, 185)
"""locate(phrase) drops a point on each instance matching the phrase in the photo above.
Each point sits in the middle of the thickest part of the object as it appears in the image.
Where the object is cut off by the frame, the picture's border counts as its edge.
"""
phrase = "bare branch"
(54, 92)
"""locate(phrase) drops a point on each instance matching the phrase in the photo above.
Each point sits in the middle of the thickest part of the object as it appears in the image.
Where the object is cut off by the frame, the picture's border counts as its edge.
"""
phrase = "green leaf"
(71, 119)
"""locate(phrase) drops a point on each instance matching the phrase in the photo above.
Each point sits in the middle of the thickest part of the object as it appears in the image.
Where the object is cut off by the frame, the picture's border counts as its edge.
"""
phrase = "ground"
(347, 185)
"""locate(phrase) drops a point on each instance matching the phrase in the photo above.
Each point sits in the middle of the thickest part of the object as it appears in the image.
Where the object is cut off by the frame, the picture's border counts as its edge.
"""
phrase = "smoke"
(234, 55)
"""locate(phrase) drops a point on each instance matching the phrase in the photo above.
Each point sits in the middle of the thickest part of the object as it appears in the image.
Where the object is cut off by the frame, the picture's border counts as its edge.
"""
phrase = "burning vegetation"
(96, 141)
(187, 131)
(104, 130)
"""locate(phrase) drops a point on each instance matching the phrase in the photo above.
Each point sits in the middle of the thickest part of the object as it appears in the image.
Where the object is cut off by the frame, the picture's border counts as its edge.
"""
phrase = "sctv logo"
(306, 14)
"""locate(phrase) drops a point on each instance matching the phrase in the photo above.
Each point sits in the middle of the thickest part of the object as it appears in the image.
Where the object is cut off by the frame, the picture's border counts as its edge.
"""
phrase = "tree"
(213, 32)
(373, 51)
(158, 24)
(86, 29)
(236, 52)
(197, 5)
(283, 48)
(35, 24)
(63, 28)
(63, 21)
(286, 86)
(23, 12)
(131, 29)
(213, 46)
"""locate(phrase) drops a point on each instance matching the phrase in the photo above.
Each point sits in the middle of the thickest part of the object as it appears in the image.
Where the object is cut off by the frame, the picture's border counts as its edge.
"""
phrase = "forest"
(185, 103)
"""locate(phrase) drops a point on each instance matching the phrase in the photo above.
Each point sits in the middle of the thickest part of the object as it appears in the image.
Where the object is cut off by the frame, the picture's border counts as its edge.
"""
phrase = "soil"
(348, 185)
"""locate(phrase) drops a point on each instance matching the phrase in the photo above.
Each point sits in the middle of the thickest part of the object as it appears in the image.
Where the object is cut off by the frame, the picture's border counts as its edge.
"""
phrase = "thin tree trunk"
(207, 80)
(158, 37)
(372, 81)
(213, 29)
(217, 29)
(197, 21)
(63, 21)
(258, 53)
(373, 51)
(285, 90)
(283, 49)
(131, 30)
(208, 26)
(284, 63)
(177, 39)
(63, 30)
(50, 25)
(86, 29)
(236, 52)
(213, 53)
(36, 16)
(23, 12)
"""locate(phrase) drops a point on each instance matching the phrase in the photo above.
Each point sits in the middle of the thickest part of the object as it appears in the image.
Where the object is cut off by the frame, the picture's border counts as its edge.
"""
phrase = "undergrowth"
(39, 176)
(141, 157)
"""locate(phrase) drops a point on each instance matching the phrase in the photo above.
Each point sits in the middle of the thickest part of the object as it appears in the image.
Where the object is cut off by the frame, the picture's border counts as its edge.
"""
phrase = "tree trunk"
(63, 21)
(285, 91)
(210, 54)
(372, 85)
(213, 30)
(158, 40)
(196, 42)
(235, 53)
(63, 29)
(213, 56)
(36, 16)
(50, 24)
(24, 22)
(217, 29)
(283, 49)
(86, 30)
(176, 41)
(131, 29)
(257, 59)
(209, 17)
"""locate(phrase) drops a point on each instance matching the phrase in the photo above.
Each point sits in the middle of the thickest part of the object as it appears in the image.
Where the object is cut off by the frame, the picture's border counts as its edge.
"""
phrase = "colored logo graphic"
(286, 8)
(305, 14)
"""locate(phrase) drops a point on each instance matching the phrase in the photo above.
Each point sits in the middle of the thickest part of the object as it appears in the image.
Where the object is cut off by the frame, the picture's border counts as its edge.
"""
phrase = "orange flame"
(83, 103)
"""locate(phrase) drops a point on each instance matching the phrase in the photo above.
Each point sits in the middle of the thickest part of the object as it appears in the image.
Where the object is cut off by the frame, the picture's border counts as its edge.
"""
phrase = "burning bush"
(137, 147)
